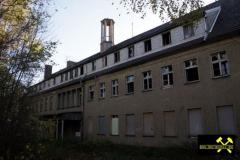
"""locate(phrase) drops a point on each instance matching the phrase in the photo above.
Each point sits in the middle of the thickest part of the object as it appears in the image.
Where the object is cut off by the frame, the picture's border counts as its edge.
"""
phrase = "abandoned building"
(162, 87)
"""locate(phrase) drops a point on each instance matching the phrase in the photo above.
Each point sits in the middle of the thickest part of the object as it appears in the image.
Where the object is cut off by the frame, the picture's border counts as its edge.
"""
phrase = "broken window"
(130, 84)
(225, 119)
(114, 125)
(91, 93)
(147, 80)
(166, 38)
(220, 64)
(130, 124)
(148, 45)
(169, 123)
(102, 125)
(130, 51)
(102, 90)
(191, 69)
(148, 127)
(93, 65)
(114, 87)
(195, 122)
(188, 31)
(116, 57)
(167, 76)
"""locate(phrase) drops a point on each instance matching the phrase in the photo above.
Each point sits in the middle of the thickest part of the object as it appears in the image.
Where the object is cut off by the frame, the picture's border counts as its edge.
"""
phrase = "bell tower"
(107, 34)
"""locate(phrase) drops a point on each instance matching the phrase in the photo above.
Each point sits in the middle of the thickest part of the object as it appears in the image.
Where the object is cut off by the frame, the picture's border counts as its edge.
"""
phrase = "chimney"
(107, 34)
(70, 63)
(47, 71)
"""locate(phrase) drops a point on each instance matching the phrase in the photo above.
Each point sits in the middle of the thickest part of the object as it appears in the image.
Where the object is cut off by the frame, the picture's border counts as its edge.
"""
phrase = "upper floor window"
(61, 77)
(116, 57)
(191, 69)
(220, 64)
(167, 76)
(188, 31)
(90, 93)
(93, 65)
(66, 76)
(166, 38)
(44, 84)
(104, 61)
(81, 70)
(71, 74)
(49, 83)
(130, 84)
(130, 51)
(76, 72)
(114, 87)
(54, 80)
(148, 45)
(147, 80)
(102, 90)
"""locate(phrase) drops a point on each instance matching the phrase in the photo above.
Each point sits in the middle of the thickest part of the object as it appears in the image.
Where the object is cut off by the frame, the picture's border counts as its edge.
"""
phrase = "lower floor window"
(115, 126)
(225, 119)
(102, 125)
(148, 128)
(195, 122)
(130, 124)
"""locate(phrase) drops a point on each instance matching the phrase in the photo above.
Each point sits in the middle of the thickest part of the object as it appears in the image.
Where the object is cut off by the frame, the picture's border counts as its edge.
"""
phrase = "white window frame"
(166, 71)
(148, 77)
(130, 81)
(102, 90)
(115, 87)
(219, 61)
(115, 119)
(192, 65)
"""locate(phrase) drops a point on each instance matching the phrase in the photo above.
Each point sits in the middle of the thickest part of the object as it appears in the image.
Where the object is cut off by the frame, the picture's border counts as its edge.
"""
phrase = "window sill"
(147, 90)
(129, 93)
(101, 98)
(90, 100)
(169, 136)
(114, 96)
(130, 135)
(113, 135)
(191, 82)
(167, 87)
(149, 136)
(219, 77)
(99, 134)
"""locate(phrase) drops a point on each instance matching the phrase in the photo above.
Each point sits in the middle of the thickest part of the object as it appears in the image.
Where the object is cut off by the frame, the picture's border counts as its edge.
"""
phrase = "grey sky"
(77, 26)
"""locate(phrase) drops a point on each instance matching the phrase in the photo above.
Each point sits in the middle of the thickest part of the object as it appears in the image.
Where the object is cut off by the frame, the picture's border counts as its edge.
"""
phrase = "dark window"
(147, 80)
(114, 87)
(66, 76)
(116, 57)
(54, 80)
(71, 74)
(44, 84)
(81, 70)
(102, 125)
(166, 38)
(93, 65)
(79, 97)
(61, 77)
(130, 51)
(102, 90)
(130, 84)
(148, 45)
(188, 31)
(91, 93)
(220, 64)
(191, 69)
(167, 76)
(104, 61)
(76, 72)
(59, 101)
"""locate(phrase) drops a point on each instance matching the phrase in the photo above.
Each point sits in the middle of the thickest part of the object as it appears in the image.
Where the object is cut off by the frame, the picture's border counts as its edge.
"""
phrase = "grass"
(108, 151)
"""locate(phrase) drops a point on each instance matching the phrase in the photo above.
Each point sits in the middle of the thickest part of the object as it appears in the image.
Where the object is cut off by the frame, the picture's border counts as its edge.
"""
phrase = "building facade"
(162, 87)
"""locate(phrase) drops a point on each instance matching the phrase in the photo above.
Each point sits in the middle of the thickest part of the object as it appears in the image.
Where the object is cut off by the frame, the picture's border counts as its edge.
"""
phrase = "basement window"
(191, 69)
(114, 87)
(148, 45)
(220, 64)
(90, 93)
(115, 125)
(102, 90)
(130, 84)
(188, 31)
(167, 76)
(147, 80)
(166, 38)
(116, 57)
(130, 51)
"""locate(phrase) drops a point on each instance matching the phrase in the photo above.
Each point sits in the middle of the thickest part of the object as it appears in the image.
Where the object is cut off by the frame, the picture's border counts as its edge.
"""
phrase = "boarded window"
(170, 123)
(130, 124)
(225, 119)
(115, 125)
(195, 122)
(148, 128)
(102, 125)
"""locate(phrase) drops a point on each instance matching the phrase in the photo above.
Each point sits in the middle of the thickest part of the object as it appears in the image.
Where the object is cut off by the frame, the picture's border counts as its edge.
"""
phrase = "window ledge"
(129, 93)
(167, 87)
(147, 90)
(219, 77)
(169, 136)
(130, 135)
(191, 82)
(114, 135)
(114, 96)
(99, 134)
(101, 98)
(148, 135)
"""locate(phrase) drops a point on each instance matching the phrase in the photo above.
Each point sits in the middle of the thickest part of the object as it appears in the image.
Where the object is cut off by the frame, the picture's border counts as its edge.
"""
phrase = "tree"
(23, 51)
(166, 9)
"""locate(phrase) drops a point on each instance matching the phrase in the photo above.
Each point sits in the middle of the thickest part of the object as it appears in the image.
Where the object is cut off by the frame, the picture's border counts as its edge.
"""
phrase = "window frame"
(131, 51)
(164, 38)
(191, 67)
(102, 90)
(93, 64)
(115, 86)
(148, 45)
(167, 73)
(219, 61)
(104, 61)
(147, 78)
(116, 57)
(118, 127)
(91, 90)
(128, 82)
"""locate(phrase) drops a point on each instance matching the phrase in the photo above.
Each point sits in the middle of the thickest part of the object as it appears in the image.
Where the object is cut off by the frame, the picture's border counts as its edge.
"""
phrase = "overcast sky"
(76, 26)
